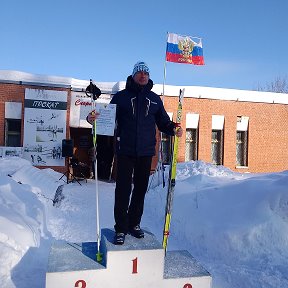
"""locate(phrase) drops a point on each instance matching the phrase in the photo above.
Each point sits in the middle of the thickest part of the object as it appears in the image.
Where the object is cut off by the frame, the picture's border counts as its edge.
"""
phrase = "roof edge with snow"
(18, 77)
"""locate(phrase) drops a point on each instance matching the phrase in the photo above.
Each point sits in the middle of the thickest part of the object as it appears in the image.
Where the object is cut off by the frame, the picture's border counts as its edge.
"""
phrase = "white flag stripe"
(175, 38)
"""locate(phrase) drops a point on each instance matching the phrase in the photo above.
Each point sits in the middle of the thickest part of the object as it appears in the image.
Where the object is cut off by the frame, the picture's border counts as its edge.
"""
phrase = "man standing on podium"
(138, 112)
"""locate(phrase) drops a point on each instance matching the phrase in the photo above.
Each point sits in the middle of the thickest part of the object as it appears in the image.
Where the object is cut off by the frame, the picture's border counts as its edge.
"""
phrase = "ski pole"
(94, 92)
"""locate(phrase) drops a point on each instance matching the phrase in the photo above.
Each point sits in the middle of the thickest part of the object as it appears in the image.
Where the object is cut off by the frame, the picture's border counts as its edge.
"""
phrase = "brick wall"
(9, 93)
(267, 132)
(267, 140)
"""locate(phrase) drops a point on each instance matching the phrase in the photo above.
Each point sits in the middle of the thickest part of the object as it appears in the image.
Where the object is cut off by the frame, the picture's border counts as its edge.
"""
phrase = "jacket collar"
(131, 85)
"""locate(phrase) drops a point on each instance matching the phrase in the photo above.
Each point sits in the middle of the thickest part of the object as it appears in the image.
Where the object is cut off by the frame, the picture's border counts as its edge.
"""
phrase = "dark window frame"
(12, 132)
(166, 142)
(191, 144)
(242, 148)
(217, 147)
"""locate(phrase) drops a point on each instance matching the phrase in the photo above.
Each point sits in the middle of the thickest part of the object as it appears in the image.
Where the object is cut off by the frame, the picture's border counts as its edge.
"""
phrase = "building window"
(191, 146)
(191, 151)
(13, 132)
(241, 148)
(242, 141)
(166, 142)
(166, 148)
(217, 141)
(217, 147)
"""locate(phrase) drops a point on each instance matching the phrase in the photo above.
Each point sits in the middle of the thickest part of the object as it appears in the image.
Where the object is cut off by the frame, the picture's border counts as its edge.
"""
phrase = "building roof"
(18, 77)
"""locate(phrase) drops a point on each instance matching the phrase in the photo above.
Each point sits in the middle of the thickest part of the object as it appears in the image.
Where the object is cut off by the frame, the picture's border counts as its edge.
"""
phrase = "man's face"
(141, 78)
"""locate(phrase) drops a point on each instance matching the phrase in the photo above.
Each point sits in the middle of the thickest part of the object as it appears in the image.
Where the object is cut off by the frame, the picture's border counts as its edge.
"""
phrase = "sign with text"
(106, 120)
(44, 126)
(81, 106)
(11, 152)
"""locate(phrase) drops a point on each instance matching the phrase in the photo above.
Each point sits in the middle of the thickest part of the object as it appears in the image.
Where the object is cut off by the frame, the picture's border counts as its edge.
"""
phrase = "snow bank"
(41, 182)
(231, 222)
(22, 223)
(235, 224)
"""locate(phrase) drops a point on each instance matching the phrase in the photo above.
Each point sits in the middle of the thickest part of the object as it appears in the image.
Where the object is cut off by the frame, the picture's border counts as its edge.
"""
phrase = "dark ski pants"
(128, 210)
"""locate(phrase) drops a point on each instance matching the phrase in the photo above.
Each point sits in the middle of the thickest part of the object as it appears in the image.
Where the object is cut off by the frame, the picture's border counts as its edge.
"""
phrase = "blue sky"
(245, 43)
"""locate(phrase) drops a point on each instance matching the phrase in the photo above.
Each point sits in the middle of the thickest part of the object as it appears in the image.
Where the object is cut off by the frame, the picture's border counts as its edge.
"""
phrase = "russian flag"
(183, 49)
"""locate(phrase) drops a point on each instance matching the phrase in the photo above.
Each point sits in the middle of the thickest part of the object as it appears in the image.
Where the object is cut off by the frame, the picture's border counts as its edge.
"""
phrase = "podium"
(138, 263)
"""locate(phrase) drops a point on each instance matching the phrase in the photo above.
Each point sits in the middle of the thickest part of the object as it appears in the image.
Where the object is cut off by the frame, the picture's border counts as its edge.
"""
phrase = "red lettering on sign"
(82, 103)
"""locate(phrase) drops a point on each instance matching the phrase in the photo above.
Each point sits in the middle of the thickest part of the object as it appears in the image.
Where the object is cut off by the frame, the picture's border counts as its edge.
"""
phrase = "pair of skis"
(172, 177)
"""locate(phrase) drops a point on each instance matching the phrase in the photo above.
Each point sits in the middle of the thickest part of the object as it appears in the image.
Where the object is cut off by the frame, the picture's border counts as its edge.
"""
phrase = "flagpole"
(160, 154)
(164, 76)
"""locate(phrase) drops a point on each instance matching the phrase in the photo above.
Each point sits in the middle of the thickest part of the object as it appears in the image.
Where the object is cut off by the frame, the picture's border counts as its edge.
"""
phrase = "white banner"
(192, 120)
(242, 123)
(217, 122)
(44, 126)
(11, 151)
(81, 106)
(13, 110)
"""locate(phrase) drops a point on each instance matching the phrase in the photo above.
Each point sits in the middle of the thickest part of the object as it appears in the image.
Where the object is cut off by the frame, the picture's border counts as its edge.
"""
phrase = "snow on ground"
(235, 224)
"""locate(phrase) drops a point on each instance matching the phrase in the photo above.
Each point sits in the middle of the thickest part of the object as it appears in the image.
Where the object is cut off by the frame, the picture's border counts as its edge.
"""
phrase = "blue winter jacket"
(138, 112)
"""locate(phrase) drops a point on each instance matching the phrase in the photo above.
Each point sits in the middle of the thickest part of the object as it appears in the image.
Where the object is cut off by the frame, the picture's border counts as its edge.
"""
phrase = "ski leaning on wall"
(172, 176)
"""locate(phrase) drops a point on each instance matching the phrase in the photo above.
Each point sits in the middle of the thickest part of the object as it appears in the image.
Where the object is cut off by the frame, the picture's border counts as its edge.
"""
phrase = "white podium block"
(138, 259)
(137, 263)
(70, 263)
(182, 270)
